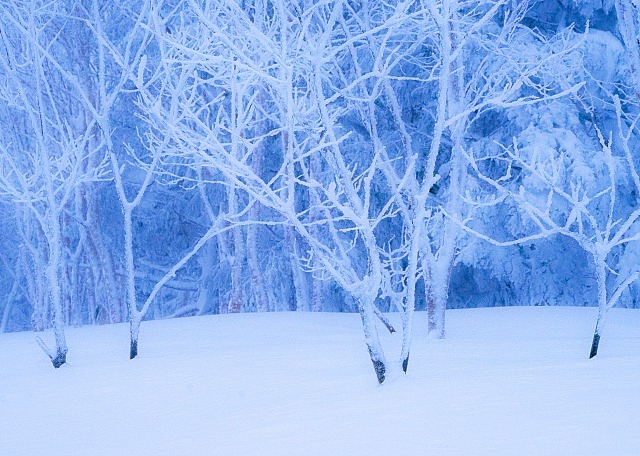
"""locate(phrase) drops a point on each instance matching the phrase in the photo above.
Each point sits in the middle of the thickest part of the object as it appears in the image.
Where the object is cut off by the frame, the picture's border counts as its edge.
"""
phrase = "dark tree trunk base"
(380, 370)
(134, 349)
(379, 367)
(405, 364)
(594, 345)
(59, 360)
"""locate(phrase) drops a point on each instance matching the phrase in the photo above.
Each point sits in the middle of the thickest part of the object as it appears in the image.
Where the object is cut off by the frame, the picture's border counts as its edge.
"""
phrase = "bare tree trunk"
(237, 279)
(601, 278)
(409, 302)
(76, 285)
(258, 288)
(225, 258)
(365, 307)
(134, 331)
(300, 285)
(9, 303)
(319, 291)
(107, 299)
(436, 309)
(237, 282)
(104, 270)
(438, 278)
(34, 270)
(52, 270)
(438, 290)
(134, 318)
(206, 265)
(605, 303)
(319, 286)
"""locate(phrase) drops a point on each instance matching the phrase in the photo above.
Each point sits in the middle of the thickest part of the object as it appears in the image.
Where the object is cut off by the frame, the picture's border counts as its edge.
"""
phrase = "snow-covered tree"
(52, 151)
(281, 69)
(568, 185)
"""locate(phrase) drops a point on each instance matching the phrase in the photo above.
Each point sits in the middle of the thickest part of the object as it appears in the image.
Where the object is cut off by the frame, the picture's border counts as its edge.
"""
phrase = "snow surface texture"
(506, 381)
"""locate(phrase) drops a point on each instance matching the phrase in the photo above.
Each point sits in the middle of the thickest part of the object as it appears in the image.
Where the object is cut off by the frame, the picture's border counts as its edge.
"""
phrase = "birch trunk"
(104, 271)
(237, 279)
(206, 265)
(438, 292)
(372, 340)
(106, 298)
(300, 285)
(412, 271)
(225, 258)
(319, 286)
(134, 316)
(452, 84)
(318, 292)
(9, 303)
(59, 357)
(34, 275)
(434, 307)
(134, 331)
(258, 288)
(601, 278)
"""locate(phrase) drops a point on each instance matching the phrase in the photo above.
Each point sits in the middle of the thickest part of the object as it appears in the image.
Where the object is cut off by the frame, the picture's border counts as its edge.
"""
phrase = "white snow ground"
(506, 381)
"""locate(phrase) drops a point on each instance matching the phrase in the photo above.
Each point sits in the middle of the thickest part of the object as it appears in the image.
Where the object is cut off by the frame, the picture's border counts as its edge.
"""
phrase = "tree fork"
(61, 353)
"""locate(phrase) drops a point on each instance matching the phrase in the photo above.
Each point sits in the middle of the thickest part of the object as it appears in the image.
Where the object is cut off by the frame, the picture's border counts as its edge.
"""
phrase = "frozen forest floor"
(506, 381)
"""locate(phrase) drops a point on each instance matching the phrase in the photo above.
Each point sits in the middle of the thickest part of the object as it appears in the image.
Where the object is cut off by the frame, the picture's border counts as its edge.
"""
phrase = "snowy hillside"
(506, 381)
